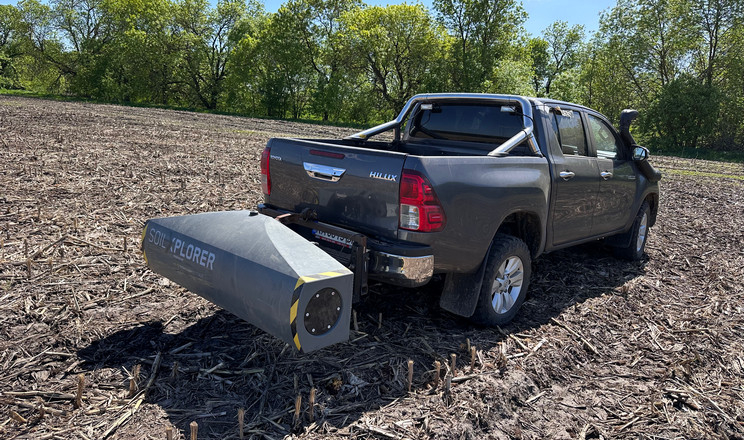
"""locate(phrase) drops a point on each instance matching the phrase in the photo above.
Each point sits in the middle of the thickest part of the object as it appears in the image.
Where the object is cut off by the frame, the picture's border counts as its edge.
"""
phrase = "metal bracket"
(359, 252)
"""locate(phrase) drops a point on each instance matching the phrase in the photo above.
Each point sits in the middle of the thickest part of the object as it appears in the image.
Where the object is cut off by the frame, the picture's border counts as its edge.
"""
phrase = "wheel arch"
(653, 204)
(527, 227)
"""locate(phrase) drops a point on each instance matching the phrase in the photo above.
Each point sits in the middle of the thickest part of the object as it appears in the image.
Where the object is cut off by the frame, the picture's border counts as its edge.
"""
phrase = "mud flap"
(258, 269)
(461, 291)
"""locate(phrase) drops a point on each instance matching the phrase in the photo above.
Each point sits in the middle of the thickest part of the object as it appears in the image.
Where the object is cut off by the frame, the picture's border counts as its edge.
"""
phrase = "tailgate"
(348, 186)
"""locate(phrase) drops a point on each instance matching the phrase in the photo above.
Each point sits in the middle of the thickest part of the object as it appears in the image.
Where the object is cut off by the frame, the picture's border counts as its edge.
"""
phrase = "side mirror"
(640, 153)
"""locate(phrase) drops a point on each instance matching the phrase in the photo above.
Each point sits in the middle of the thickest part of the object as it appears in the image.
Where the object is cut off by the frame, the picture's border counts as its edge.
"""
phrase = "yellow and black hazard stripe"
(296, 301)
(142, 243)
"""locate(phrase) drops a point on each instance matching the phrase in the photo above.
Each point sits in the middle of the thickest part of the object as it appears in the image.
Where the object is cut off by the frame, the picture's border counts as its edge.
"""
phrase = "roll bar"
(527, 133)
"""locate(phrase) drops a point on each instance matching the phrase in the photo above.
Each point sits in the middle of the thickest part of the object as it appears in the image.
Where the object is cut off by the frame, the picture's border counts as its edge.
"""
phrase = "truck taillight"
(420, 209)
(265, 174)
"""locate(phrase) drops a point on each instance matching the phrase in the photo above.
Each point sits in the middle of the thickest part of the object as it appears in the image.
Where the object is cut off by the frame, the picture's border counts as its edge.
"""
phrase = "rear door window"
(570, 130)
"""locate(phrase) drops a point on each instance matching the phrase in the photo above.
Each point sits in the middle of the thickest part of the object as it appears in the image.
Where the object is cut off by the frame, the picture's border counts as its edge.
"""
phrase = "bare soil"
(94, 345)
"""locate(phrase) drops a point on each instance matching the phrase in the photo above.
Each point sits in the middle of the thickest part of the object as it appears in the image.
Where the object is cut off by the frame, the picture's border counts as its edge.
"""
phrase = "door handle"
(606, 175)
(323, 172)
(567, 175)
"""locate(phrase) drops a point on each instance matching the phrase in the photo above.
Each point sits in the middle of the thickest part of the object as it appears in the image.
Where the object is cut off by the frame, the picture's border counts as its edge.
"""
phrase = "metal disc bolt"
(313, 330)
(306, 315)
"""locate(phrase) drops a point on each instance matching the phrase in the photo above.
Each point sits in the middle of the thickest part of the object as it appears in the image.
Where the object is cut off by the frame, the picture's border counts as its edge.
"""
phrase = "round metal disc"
(322, 311)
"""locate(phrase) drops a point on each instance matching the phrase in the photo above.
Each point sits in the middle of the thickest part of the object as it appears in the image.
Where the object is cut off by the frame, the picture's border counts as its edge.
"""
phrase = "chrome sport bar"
(527, 133)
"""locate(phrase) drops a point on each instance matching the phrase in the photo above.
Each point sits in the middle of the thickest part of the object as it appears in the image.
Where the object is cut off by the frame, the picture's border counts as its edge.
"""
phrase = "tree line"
(680, 62)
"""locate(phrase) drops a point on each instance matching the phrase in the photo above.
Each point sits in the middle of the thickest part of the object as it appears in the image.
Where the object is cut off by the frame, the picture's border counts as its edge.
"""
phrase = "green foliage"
(683, 114)
(11, 46)
(510, 76)
(555, 54)
(483, 32)
(679, 62)
(394, 47)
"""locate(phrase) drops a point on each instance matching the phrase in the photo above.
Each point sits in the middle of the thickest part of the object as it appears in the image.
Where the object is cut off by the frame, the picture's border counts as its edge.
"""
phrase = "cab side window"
(570, 130)
(604, 139)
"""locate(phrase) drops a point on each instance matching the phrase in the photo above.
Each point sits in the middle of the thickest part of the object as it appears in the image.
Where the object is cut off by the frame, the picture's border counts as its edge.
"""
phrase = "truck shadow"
(213, 367)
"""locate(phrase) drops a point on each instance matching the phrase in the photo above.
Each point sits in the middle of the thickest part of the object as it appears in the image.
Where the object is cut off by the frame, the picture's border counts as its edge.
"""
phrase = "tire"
(505, 281)
(638, 236)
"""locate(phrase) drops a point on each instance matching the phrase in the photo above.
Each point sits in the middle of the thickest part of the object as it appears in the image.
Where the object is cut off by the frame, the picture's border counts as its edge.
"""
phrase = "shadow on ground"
(220, 363)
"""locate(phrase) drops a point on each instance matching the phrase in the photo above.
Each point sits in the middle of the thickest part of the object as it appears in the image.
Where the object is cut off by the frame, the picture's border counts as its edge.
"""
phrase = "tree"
(395, 47)
(683, 114)
(11, 45)
(557, 52)
(143, 54)
(714, 19)
(205, 35)
(484, 31)
(317, 24)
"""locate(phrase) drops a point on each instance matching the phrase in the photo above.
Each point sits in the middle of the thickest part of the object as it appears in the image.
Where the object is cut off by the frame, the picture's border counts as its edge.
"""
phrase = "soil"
(95, 345)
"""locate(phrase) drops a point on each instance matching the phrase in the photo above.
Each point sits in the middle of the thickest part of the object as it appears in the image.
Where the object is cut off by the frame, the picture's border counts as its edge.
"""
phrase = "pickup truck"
(469, 186)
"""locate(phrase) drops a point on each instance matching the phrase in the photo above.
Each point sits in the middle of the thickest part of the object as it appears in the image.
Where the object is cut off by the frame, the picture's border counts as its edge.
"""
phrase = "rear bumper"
(401, 270)
(401, 264)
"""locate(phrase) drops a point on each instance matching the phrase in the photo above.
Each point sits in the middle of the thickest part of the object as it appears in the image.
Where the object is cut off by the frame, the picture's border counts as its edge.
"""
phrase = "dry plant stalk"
(311, 404)
(453, 364)
(448, 390)
(241, 421)
(410, 375)
(194, 429)
(298, 406)
(79, 395)
(169, 433)
(17, 417)
(354, 318)
(133, 380)
(473, 353)
(28, 268)
(174, 371)
(437, 370)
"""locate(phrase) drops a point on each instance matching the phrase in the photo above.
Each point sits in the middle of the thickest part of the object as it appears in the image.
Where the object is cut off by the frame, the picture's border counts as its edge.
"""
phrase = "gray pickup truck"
(470, 186)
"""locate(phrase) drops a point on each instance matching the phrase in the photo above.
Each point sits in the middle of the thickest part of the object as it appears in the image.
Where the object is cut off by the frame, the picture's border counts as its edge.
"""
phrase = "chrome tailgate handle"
(323, 172)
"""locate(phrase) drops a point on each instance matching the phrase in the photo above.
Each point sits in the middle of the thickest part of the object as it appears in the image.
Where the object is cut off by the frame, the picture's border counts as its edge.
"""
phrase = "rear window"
(466, 122)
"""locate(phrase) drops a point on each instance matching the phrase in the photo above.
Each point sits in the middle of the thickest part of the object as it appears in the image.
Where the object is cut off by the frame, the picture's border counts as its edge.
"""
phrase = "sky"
(541, 13)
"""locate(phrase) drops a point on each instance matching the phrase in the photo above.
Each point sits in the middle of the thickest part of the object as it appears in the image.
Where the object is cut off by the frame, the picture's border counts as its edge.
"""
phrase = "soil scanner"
(258, 269)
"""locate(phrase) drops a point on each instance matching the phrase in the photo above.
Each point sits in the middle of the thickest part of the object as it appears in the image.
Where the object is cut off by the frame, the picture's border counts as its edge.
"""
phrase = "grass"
(69, 98)
(701, 174)
(696, 153)
(702, 153)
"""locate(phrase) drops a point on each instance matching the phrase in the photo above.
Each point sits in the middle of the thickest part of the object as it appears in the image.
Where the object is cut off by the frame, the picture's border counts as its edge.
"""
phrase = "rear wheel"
(505, 282)
(638, 236)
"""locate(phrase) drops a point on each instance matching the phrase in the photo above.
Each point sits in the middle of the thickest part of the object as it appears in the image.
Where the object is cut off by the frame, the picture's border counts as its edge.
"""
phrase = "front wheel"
(505, 282)
(638, 236)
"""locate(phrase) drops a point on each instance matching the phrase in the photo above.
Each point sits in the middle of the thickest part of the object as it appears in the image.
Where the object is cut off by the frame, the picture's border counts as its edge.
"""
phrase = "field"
(93, 345)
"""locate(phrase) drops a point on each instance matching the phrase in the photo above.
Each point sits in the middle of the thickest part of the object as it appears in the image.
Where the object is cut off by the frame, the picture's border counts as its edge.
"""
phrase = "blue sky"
(541, 12)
